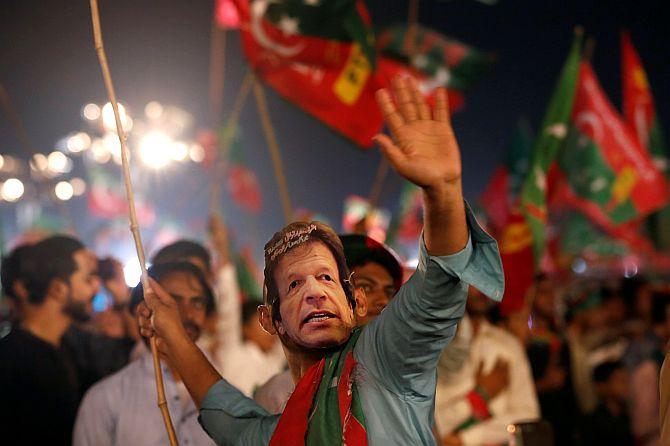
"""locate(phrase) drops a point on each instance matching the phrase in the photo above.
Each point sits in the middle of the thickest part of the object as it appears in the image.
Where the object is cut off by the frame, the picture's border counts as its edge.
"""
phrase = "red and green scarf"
(325, 407)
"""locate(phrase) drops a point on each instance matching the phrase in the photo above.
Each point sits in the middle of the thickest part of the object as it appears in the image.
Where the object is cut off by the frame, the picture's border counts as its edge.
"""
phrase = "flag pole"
(410, 43)
(273, 147)
(134, 227)
(227, 139)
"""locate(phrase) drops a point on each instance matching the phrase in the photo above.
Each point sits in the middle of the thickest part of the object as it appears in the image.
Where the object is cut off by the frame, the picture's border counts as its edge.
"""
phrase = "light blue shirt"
(396, 354)
(121, 410)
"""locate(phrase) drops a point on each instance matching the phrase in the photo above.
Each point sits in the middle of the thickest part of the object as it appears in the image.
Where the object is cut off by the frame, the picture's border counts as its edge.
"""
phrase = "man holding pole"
(374, 385)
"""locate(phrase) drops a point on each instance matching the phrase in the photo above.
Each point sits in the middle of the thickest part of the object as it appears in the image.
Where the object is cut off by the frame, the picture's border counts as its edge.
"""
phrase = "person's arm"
(521, 404)
(95, 423)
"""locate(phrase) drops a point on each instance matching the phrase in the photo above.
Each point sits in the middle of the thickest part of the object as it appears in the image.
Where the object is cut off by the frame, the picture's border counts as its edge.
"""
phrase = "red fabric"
(333, 81)
(244, 188)
(480, 409)
(516, 253)
(292, 426)
(638, 103)
(495, 199)
(596, 118)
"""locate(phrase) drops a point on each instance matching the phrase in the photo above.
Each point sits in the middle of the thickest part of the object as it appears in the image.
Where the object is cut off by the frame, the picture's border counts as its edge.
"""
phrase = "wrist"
(444, 192)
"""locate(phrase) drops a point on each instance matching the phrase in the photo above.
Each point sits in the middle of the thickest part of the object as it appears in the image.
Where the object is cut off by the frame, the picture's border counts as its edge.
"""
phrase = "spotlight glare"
(78, 142)
(179, 151)
(196, 153)
(57, 162)
(156, 150)
(153, 110)
(39, 162)
(78, 186)
(64, 190)
(91, 112)
(12, 189)
(132, 272)
(109, 122)
(2, 162)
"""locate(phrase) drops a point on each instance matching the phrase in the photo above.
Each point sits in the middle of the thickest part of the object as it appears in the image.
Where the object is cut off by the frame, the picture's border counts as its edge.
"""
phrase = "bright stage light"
(91, 112)
(156, 150)
(109, 122)
(64, 190)
(132, 272)
(153, 110)
(78, 142)
(12, 189)
(196, 153)
(78, 186)
(113, 146)
(57, 162)
(2, 162)
(39, 162)
(99, 151)
(179, 151)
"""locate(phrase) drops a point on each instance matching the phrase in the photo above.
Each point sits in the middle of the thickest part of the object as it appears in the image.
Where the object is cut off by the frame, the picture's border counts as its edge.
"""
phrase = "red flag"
(244, 188)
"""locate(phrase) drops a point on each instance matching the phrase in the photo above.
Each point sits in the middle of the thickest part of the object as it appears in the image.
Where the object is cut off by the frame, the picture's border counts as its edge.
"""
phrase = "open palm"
(423, 149)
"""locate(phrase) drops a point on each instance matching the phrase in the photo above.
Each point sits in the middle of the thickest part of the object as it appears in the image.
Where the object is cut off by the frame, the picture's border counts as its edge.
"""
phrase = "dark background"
(159, 50)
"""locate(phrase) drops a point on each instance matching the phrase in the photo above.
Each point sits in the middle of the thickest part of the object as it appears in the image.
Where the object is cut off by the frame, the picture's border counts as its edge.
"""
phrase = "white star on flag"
(559, 130)
(289, 25)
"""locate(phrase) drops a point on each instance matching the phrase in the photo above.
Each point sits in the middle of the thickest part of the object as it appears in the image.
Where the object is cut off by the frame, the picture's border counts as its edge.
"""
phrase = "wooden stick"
(227, 140)
(217, 72)
(134, 227)
(273, 147)
(378, 184)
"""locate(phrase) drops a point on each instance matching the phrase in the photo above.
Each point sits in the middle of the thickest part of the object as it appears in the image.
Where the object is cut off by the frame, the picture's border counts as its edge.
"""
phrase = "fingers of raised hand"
(392, 117)
(441, 112)
(402, 89)
(419, 100)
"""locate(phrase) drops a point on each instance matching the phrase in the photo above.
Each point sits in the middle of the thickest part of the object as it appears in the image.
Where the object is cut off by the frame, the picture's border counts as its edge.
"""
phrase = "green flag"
(550, 137)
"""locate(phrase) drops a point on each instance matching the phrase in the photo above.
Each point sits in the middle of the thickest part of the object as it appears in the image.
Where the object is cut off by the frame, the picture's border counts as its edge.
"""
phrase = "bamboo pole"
(273, 147)
(134, 227)
(227, 139)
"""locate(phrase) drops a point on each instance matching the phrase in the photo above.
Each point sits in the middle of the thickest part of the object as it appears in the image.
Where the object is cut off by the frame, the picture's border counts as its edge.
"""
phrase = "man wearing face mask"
(370, 385)
(38, 383)
(120, 410)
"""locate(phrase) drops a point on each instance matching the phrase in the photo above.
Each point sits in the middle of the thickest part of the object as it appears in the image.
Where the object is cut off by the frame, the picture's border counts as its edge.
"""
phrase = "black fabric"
(602, 428)
(38, 391)
(94, 355)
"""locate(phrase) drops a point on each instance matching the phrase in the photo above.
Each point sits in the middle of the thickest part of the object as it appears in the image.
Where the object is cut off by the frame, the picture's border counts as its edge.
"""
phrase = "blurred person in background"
(256, 359)
(38, 379)
(484, 381)
(121, 409)
(550, 362)
(643, 360)
(609, 424)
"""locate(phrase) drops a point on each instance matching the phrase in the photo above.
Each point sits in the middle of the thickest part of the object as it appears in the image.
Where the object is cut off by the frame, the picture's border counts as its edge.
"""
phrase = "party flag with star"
(640, 113)
(603, 169)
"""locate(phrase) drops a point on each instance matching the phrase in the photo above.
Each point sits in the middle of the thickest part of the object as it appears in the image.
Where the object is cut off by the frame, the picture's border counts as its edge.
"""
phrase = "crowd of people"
(343, 346)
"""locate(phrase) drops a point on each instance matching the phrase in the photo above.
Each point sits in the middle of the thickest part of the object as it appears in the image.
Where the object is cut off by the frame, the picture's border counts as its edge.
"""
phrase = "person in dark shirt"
(609, 424)
(38, 380)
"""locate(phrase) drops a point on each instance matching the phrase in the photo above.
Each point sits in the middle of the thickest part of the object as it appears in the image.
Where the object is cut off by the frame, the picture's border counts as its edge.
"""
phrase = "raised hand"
(423, 149)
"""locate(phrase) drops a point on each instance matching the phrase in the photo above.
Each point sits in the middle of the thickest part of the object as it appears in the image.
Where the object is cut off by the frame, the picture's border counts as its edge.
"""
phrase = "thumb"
(155, 295)
(392, 152)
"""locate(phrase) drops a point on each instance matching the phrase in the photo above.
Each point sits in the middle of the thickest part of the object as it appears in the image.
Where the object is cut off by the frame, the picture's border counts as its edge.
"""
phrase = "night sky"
(159, 50)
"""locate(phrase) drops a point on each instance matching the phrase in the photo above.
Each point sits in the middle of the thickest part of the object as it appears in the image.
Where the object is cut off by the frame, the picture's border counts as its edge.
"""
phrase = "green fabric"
(333, 20)
(549, 140)
(325, 426)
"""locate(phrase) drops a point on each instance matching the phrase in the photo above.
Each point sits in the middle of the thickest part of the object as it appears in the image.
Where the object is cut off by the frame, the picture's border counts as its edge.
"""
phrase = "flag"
(320, 56)
(640, 113)
(248, 275)
(226, 15)
(552, 133)
(443, 62)
(409, 223)
(603, 170)
(360, 218)
(500, 201)
(241, 182)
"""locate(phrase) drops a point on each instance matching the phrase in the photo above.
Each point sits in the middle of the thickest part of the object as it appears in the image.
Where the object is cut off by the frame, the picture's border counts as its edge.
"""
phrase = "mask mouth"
(318, 316)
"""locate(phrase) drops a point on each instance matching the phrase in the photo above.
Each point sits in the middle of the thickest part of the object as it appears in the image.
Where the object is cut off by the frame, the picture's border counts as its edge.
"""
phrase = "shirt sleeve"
(95, 422)
(230, 418)
(401, 347)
